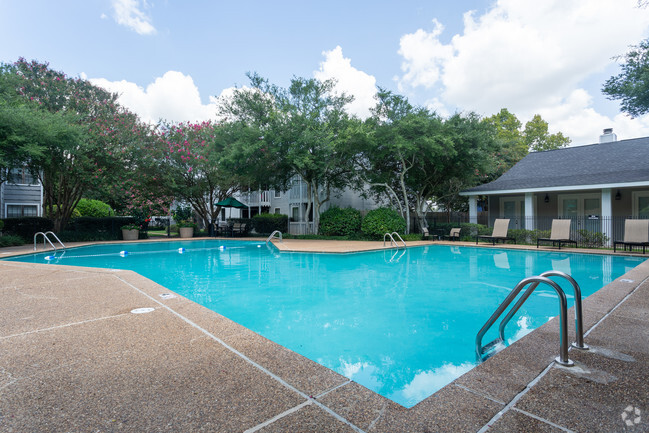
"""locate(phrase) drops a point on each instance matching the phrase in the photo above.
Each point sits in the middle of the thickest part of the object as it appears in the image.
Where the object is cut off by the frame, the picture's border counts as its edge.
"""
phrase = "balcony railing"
(256, 198)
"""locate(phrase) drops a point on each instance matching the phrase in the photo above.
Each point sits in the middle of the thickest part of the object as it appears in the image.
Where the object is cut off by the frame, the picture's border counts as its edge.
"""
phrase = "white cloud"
(530, 57)
(129, 13)
(350, 81)
(173, 97)
(427, 382)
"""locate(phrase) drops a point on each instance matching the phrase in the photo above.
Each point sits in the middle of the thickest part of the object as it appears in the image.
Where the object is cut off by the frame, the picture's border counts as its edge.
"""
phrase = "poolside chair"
(636, 234)
(499, 232)
(454, 235)
(560, 234)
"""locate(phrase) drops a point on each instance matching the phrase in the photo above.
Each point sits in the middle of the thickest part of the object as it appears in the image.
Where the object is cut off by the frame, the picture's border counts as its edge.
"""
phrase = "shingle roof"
(616, 162)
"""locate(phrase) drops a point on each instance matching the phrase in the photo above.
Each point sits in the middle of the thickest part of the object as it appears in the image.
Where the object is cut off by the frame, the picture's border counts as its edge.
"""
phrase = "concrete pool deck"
(74, 357)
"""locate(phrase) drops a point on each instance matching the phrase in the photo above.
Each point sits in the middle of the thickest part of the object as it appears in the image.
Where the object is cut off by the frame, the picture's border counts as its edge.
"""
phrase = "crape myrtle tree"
(304, 132)
(94, 146)
(414, 156)
(208, 162)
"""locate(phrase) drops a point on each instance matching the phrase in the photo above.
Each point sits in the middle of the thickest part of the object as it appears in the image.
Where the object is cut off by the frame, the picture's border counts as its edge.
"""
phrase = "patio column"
(607, 215)
(473, 209)
(529, 211)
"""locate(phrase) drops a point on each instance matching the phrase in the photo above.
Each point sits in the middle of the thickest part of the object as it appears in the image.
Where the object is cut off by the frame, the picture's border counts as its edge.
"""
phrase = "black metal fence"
(589, 231)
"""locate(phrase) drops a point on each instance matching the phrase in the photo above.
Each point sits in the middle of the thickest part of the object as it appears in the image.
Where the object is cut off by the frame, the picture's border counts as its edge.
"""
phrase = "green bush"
(340, 222)
(11, 241)
(2, 224)
(266, 223)
(27, 227)
(183, 213)
(591, 239)
(95, 229)
(93, 208)
(380, 221)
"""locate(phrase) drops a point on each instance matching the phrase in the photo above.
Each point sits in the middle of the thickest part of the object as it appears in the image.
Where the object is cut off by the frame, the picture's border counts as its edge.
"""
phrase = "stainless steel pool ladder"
(392, 241)
(563, 316)
(276, 232)
(47, 239)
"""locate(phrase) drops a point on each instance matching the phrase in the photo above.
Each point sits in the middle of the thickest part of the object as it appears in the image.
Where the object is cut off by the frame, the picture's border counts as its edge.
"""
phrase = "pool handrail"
(562, 359)
(276, 232)
(579, 322)
(392, 241)
(46, 238)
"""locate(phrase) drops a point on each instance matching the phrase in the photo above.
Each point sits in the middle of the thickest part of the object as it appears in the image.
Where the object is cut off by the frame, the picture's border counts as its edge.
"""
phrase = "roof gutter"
(557, 188)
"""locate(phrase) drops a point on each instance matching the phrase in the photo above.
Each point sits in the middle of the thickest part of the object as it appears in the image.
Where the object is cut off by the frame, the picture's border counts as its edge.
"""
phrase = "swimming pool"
(401, 323)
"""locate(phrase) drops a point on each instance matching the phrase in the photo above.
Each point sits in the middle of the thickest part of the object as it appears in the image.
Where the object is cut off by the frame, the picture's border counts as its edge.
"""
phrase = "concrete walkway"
(77, 354)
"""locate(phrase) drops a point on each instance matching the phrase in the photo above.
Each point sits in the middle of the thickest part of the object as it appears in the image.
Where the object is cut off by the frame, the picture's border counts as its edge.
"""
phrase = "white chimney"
(608, 136)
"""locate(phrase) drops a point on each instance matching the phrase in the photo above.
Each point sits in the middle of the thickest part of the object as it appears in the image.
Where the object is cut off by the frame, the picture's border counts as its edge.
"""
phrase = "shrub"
(183, 213)
(591, 239)
(95, 229)
(266, 223)
(93, 208)
(380, 221)
(11, 241)
(340, 222)
(27, 227)
(2, 224)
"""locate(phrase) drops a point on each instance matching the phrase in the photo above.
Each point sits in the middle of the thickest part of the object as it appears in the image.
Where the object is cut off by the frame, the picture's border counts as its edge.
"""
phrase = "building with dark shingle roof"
(595, 185)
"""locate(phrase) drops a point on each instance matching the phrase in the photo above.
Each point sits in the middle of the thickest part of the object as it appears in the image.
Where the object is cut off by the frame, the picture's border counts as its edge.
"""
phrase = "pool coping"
(482, 396)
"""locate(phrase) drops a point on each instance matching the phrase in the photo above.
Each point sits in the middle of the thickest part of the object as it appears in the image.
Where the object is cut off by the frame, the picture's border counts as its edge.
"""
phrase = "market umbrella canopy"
(231, 202)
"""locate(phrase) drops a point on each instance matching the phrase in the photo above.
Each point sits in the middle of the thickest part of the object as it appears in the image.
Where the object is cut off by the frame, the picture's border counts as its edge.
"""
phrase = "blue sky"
(171, 59)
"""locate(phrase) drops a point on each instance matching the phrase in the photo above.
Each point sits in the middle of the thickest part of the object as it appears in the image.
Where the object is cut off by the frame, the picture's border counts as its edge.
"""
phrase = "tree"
(512, 146)
(95, 134)
(204, 160)
(538, 139)
(303, 132)
(631, 86)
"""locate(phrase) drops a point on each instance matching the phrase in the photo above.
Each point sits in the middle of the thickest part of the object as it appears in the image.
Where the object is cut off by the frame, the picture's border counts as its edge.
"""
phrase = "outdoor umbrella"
(231, 202)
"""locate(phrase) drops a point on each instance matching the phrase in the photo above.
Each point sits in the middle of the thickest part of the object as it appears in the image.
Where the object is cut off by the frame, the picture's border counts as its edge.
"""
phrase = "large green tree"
(99, 135)
(631, 86)
(304, 129)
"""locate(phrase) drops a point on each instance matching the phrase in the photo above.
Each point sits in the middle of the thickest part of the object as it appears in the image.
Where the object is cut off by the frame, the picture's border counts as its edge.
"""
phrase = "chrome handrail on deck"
(563, 318)
(392, 241)
(276, 232)
(46, 238)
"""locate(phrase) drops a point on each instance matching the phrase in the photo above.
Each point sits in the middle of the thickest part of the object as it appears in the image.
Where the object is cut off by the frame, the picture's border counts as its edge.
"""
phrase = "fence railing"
(588, 231)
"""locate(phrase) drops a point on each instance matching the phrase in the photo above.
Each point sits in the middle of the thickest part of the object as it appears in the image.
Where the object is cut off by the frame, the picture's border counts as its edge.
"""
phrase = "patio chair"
(239, 228)
(636, 234)
(559, 234)
(454, 235)
(499, 232)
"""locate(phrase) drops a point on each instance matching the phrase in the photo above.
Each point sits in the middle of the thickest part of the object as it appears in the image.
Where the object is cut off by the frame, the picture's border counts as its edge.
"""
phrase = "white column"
(607, 215)
(473, 209)
(529, 211)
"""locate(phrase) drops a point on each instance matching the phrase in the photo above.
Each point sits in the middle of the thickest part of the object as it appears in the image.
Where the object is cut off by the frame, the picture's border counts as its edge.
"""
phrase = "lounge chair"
(560, 234)
(636, 234)
(499, 232)
(454, 235)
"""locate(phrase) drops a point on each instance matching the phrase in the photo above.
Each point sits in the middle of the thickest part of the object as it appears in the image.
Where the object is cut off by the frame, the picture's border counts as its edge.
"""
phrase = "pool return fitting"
(483, 352)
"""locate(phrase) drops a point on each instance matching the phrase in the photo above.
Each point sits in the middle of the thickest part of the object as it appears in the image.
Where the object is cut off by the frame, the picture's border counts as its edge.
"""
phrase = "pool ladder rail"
(391, 236)
(48, 240)
(279, 236)
(483, 352)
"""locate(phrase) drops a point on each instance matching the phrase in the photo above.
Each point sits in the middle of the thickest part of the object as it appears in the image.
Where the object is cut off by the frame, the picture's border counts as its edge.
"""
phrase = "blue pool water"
(402, 323)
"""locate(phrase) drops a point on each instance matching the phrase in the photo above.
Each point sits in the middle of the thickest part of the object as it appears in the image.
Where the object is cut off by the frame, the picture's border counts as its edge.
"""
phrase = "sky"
(172, 60)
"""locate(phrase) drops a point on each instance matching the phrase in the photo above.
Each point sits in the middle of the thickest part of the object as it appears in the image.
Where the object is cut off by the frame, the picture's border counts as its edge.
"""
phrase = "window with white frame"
(21, 176)
(22, 210)
(278, 210)
(640, 204)
(278, 194)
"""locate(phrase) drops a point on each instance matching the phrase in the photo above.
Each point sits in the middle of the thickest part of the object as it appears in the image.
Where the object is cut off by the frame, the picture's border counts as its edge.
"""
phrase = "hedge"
(95, 229)
(380, 221)
(27, 227)
(266, 223)
(340, 222)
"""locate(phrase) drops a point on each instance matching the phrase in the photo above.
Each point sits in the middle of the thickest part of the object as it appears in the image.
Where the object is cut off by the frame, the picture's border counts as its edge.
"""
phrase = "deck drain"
(142, 310)
(167, 295)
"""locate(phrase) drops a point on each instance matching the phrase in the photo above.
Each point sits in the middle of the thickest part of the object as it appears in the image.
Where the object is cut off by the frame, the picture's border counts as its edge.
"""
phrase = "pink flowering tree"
(99, 151)
(205, 164)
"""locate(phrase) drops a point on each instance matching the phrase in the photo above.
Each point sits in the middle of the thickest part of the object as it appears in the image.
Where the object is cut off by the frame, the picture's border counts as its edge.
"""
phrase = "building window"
(278, 194)
(295, 213)
(21, 210)
(21, 176)
(278, 210)
(641, 204)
